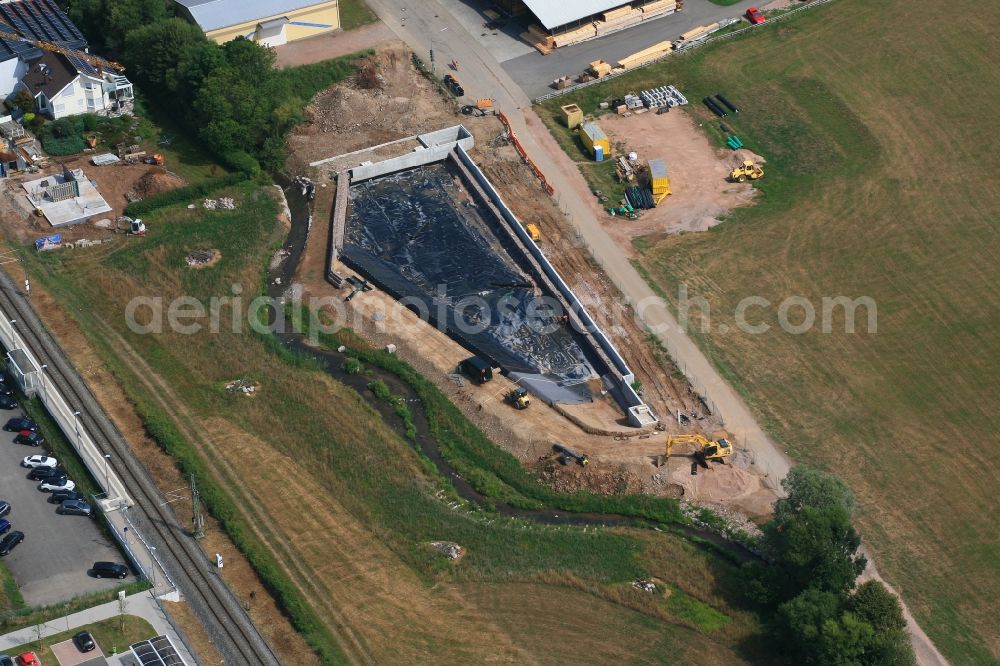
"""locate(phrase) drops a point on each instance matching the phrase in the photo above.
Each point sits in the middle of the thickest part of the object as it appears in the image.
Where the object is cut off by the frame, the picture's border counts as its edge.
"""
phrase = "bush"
(182, 194)
(89, 122)
(352, 366)
(243, 162)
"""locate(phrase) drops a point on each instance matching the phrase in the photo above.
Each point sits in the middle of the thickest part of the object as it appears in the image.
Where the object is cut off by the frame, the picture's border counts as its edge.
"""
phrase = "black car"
(6, 660)
(19, 423)
(39, 473)
(28, 438)
(59, 496)
(4, 508)
(109, 570)
(8, 543)
(6, 390)
(74, 507)
(8, 402)
(84, 642)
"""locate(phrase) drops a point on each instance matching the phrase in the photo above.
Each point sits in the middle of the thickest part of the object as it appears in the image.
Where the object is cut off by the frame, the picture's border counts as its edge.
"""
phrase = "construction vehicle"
(519, 398)
(568, 454)
(533, 232)
(746, 170)
(156, 160)
(706, 449)
(131, 227)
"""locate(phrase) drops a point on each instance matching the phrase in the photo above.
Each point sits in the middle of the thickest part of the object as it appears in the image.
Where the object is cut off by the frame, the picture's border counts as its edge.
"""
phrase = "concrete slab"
(503, 44)
(73, 210)
(67, 655)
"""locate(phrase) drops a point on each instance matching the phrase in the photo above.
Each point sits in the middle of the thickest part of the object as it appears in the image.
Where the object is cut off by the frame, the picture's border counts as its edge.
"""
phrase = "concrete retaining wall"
(449, 135)
(436, 144)
(639, 413)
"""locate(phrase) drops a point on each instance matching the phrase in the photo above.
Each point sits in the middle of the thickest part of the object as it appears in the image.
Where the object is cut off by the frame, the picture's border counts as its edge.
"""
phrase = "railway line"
(227, 624)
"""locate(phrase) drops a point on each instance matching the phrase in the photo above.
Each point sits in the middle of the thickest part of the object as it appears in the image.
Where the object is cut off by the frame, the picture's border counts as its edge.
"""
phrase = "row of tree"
(230, 95)
(807, 589)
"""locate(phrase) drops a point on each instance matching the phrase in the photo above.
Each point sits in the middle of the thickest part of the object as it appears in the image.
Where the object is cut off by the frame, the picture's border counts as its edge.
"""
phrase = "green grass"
(724, 3)
(355, 13)
(370, 470)
(699, 614)
(10, 594)
(182, 153)
(108, 634)
(870, 191)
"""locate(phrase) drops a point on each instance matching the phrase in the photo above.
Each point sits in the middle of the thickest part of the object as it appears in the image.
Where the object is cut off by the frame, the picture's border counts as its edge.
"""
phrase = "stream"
(280, 278)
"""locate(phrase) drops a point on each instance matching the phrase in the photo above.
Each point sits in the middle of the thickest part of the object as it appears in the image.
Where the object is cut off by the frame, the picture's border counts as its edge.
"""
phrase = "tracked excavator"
(715, 450)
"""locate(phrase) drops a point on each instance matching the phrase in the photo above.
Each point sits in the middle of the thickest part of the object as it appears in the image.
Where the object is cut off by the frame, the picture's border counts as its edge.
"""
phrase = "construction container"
(477, 369)
(595, 140)
(533, 232)
(658, 180)
(572, 115)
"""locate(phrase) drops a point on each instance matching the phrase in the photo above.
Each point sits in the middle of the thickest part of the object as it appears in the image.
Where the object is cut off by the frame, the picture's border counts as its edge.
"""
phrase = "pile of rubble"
(644, 585)
(202, 258)
(243, 386)
(222, 203)
(449, 549)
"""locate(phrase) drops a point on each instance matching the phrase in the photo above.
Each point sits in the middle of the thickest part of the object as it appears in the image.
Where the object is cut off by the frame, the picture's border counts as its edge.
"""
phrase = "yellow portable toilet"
(595, 140)
(572, 115)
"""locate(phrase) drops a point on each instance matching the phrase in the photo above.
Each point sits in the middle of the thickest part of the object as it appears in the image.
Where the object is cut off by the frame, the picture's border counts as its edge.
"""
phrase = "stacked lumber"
(642, 57)
(537, 37)
(623, 18)
(658, 9)
(575, 36)
(615, 14)
(599, 68)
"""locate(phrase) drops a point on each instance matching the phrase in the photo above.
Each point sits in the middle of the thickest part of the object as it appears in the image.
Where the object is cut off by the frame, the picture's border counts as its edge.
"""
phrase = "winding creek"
(279, 279)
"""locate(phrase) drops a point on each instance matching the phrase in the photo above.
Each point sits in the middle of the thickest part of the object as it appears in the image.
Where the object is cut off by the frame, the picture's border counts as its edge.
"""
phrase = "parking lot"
(51, 564)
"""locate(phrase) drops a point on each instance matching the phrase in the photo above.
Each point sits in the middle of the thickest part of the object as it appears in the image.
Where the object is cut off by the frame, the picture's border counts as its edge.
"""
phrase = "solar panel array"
(12, 46)
(158, 651)
(42, 20)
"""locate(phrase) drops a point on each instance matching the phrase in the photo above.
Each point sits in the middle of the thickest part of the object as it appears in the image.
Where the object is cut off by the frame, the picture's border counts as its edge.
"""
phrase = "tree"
(155, 51)
(874, 604)
(808, 486)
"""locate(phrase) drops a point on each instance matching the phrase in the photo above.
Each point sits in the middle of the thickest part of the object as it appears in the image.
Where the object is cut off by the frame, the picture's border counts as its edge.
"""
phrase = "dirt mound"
(156, 181)
(570, 478)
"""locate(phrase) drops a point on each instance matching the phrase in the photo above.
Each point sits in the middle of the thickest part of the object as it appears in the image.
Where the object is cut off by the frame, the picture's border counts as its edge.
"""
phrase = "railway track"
(227, 624)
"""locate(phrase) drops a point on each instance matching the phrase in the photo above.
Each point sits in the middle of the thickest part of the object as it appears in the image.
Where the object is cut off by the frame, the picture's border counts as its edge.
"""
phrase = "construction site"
(442, 244)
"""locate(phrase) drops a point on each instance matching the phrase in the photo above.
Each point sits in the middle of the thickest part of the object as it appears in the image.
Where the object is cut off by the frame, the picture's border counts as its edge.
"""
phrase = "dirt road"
(434, 28)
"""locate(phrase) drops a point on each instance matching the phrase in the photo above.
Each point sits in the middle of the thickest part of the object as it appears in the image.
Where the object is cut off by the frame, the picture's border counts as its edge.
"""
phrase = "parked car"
(6, 390)
(8, 543)
(8, 402)
(84, 642)
(109, 570)
(19, 423)
(755, 16)
(4, 528)
(59, 496)
(49, 485)
(40, 473)
(6, 661)
(28, 438)
(4, 508)
(27, 659)
(39, 461)
(74, 507)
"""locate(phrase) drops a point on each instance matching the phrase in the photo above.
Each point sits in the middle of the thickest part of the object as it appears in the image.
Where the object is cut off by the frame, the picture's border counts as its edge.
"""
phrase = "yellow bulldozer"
(746, 170)
(717, 449)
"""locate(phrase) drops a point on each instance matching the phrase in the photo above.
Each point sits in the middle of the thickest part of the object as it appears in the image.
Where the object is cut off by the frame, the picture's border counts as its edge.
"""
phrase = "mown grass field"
(335, 508)
(875, 119)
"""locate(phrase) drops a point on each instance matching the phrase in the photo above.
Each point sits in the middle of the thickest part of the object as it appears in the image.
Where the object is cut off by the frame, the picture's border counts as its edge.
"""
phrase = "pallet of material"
(599, 68)
(539, 34)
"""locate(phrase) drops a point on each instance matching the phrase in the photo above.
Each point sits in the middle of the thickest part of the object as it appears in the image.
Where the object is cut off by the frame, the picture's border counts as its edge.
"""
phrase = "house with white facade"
(64, 84)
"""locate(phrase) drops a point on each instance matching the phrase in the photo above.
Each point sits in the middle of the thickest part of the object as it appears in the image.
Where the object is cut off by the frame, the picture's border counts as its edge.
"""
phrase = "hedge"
(181, 195)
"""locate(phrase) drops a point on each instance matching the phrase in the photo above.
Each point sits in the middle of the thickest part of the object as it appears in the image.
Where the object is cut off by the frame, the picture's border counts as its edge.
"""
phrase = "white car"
(47, 487)
(39, 461)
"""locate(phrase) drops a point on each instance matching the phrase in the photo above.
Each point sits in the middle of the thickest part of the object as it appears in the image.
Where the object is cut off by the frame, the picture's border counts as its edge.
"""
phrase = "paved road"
(140, 604)
(534, 72)
(51, 564)
(483, 76)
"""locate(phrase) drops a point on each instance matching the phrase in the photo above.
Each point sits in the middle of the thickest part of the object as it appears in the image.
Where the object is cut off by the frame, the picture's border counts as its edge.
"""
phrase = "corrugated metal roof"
(554, 13)
(215, 14)
(657, 168)
(593, 131)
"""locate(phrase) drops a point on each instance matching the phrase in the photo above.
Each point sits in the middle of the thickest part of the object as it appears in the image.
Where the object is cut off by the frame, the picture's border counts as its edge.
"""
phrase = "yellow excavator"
(717, 449)
(746, 170)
